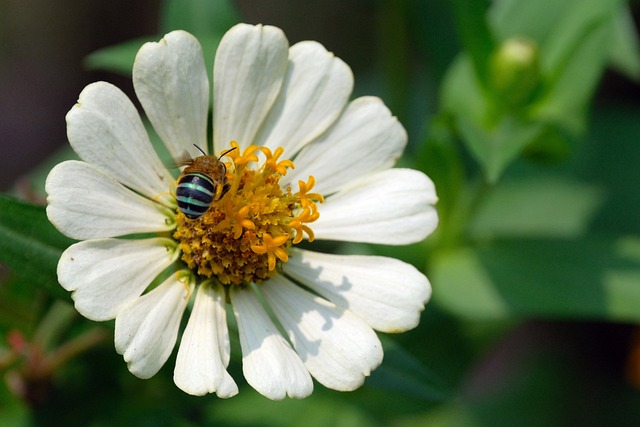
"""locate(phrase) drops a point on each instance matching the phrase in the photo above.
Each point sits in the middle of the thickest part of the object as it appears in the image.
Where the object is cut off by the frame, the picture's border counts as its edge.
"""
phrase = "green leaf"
(610, 157)
(569, 86)
(402, 373)
(575, 38)
(440, 158)
(535, 207)
(585, 278)
(14, 412)
(207, 20)
(29, 244)
(202, 18)
(118, 58)
(474, 32)
(549, 22)
(624, 51)
(462, 94)
(495, 147)
(495, 139)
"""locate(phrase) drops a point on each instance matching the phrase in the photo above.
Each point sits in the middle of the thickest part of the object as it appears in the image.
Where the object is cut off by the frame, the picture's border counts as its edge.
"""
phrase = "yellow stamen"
(243, 236)
(170, 195)
(185, 278)
(272, 161)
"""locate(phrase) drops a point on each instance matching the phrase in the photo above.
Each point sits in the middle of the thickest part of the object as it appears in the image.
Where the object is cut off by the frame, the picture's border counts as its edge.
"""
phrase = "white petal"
(269, 363)
(337, 347)
(315, 90)
(365, 139)
(387, 293)
(170, 80)
(250, 65)
(200, 368)
(84, 203)
(147, 328)
(105, 129)
(392, 207)
(104, 275)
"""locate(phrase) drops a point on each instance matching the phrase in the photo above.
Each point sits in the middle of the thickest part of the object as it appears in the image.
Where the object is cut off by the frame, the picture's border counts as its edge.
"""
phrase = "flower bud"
(515, 70)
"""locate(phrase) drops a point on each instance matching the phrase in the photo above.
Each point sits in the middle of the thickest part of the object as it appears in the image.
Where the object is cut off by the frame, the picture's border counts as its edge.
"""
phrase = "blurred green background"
(525, 113)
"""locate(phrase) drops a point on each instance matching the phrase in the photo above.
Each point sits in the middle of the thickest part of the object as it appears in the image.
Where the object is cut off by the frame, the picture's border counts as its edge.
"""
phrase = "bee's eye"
(195, 193)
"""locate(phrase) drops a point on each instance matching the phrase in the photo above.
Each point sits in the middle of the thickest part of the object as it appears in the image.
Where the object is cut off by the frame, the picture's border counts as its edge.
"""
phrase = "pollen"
(245, 235)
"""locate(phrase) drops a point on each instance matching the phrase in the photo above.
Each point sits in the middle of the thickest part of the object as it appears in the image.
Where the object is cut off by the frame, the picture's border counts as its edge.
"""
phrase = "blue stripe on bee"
(195, 193)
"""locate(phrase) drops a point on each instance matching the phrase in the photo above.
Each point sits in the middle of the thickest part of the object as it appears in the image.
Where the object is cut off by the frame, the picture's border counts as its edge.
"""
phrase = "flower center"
(243, 235)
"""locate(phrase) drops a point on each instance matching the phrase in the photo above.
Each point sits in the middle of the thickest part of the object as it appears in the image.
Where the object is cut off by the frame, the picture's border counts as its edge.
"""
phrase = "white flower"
(140, 260)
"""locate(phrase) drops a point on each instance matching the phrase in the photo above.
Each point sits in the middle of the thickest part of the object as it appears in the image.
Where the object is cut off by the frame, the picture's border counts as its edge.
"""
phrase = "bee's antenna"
(226, 152)
(200, 150)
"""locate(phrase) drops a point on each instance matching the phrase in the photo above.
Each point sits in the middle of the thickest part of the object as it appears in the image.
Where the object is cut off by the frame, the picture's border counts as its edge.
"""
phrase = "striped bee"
(201, 183)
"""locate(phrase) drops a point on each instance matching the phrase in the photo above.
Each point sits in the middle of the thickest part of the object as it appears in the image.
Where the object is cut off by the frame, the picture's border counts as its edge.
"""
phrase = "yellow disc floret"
(243, 236)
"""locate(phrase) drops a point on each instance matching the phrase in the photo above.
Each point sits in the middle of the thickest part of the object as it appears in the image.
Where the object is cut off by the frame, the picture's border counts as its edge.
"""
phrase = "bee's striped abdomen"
(195, 193)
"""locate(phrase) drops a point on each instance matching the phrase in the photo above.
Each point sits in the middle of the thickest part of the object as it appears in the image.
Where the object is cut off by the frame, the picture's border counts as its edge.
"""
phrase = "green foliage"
(528, 207)
(578, 278)
(117, 59)
(404, 374)
(30, 245)
(13, 411)
(572, 40)
(625, 45)
(202, 18)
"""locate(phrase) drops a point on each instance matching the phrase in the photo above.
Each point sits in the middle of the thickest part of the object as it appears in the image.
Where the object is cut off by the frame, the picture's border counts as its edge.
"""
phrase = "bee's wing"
(185, 159)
